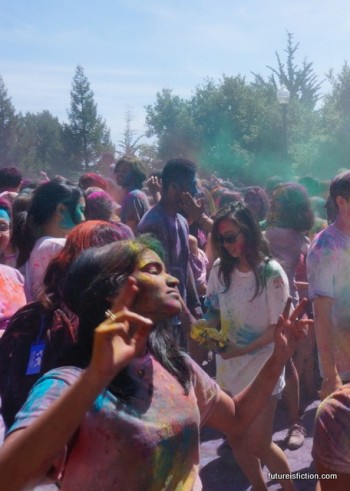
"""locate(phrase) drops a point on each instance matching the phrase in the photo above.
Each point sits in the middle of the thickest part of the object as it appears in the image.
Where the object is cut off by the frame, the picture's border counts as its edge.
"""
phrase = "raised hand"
(194, 208)
(290, 329)
(121, 337)
(154, 184)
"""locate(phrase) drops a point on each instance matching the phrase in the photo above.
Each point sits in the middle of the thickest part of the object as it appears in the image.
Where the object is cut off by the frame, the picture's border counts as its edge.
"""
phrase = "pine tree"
(8, 128)
(86, 135)
(301, 81)
(129, 145)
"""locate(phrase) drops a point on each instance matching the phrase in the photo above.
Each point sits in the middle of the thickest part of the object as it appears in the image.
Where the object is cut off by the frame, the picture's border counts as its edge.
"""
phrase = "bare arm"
(234, 416)
(324, 330)
(154, 185)
(36, 446)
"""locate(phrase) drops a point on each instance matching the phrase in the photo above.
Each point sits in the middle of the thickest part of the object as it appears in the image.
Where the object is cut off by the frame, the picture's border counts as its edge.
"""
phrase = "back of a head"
(226, 197)
(256, 197)
(21, 203)
(90, 179)
(99, 206)
(291, 207)
(177, 171)
(92, 233)
(10, 178)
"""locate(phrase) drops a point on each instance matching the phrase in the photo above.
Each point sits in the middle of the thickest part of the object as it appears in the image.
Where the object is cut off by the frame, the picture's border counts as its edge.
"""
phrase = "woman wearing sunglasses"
(247, 291)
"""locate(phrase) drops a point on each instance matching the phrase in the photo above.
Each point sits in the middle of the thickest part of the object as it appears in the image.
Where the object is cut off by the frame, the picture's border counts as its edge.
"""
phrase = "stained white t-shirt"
(43, 251)
(246, 320)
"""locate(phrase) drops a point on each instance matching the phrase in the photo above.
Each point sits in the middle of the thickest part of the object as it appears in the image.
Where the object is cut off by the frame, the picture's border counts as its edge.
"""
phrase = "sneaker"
(295, 436)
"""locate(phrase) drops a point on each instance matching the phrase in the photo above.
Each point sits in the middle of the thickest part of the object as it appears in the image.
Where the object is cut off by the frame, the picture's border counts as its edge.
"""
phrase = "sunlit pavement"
(219, 471)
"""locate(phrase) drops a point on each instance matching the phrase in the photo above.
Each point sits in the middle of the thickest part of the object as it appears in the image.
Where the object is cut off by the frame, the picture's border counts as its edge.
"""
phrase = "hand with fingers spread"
(194, 208)
(290, 328)
(121, 337)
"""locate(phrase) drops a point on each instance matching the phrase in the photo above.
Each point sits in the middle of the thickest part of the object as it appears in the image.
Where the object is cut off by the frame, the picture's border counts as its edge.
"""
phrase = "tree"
(129, 145)
(229, 126)
(86, 136)
(46, 141)
(301, 81)
(333, 135)
(8, 128)
(170, 120)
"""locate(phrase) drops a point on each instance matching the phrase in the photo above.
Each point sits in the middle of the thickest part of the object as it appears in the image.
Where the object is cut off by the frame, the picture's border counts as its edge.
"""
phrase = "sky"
(132, 49)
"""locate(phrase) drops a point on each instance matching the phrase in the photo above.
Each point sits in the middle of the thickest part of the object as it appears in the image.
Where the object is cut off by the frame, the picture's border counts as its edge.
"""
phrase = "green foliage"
(8, 128)
(170, 120)
(41, 143)
(236, 128)
(86, 136)
(130, 144)
(231, 127)
(301, 81)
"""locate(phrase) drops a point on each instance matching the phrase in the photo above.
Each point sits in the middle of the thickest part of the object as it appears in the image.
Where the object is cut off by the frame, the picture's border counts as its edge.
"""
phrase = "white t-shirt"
(246, 320)
(43, 251)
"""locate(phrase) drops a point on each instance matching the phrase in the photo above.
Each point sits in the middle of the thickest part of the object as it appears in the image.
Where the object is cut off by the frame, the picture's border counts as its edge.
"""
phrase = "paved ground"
(219, 471)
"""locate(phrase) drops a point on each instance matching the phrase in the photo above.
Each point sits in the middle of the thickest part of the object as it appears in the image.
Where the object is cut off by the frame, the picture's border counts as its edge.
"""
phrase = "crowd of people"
(135, 309)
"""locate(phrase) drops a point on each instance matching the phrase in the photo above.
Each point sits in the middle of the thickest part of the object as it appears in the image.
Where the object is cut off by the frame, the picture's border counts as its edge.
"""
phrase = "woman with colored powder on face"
(128, 414)
(246, 294)
(57, 207)
(12, 295)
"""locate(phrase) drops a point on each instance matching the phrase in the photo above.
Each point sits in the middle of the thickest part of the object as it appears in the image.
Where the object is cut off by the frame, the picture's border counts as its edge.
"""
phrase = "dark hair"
(256, 247)
(48, 195)
(176, 171)
(256, 197)
(10, 177)
(137, 171)
(340, 186)
(290, 207)
(20, 209)
(271, 183)
(44, 202)
(99, 206)
(331, 210)
(96, 276)
(90, 179)
(227, 197)
(5, 205)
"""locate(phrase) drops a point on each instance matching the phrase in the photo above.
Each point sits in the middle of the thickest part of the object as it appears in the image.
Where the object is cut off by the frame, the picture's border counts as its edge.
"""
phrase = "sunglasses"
(229, 239)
